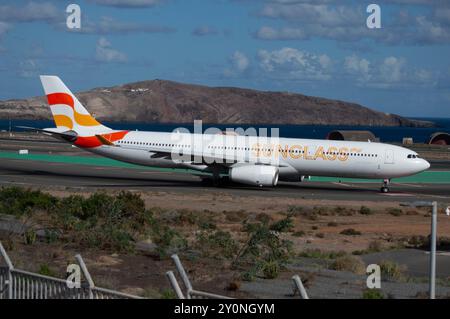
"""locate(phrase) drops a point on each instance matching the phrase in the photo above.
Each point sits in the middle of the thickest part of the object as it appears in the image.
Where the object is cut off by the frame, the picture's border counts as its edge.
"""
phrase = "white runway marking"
(410, 185)
(397, 194)
(343, 184)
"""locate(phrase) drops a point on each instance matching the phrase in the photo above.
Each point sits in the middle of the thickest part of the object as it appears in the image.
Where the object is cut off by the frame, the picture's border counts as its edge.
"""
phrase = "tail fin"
(68, 113)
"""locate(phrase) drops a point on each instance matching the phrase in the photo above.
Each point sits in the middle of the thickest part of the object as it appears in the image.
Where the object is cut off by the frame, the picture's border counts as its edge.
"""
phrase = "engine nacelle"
(255, 175)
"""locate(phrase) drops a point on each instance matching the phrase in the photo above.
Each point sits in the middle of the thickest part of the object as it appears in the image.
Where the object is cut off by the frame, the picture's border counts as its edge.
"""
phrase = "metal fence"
(190, 292)
(21, 284)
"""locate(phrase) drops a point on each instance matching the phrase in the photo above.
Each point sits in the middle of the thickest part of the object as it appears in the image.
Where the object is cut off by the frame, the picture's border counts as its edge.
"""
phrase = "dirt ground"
(317, 225)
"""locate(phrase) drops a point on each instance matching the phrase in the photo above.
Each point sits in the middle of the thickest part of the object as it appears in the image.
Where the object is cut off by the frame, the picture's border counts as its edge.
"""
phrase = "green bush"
(19, 201)
(168, 294)
(300, 233)
(218, 244)
(349, 263)
(45, 270)
(332, 224)
(29, 236)
(365, 210)
(167, 239)
(350, 232)
(271, 269)
(283, 225)
(395, 212)
(372, 294)
(392, 271)
(319, 254)
(262, 247)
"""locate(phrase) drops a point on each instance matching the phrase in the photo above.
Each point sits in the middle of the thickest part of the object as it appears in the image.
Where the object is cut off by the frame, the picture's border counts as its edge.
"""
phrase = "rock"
(159, 101)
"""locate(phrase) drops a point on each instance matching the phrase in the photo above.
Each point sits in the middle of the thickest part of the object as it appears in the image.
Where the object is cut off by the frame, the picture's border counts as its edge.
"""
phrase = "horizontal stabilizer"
(69, 136)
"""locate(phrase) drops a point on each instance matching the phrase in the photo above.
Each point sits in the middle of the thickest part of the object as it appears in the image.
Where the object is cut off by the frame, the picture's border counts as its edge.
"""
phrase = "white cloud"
(358, 66)
(28, 68)
(32, 11)
(240, 61)
(391, 72)
(105, 52)
(345, 22)
(108, 25)
(290, 63)
(269, 33)
(127, 3)
(392, 69)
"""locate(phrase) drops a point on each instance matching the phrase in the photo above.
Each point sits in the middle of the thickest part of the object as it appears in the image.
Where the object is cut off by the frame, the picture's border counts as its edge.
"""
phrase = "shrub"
(349, 263)
(372, 294)
(218, 244)
(350, 232)
(319, 254)
(332, 224)
(19, 201)
(395, 212)
(283, 225)
(45, 270)
(29, 237)
(248, 275)
(167, 239)
(365, 210)
(263, 246)
(300, 233)
(168, 294)
(342, 211)
(392, 271)
(271, 269)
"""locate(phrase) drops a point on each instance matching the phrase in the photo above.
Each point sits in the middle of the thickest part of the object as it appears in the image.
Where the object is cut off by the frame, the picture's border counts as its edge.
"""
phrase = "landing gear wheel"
(385, 188)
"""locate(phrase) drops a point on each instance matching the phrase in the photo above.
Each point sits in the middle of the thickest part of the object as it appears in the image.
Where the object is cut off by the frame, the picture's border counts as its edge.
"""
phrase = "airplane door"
(389, 157)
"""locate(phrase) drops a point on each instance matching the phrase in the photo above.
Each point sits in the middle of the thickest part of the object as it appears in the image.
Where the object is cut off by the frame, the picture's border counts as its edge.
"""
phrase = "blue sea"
(386, 134)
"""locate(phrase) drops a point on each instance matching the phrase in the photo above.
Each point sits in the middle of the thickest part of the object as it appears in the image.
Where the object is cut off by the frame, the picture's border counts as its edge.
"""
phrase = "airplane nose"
(424, 165)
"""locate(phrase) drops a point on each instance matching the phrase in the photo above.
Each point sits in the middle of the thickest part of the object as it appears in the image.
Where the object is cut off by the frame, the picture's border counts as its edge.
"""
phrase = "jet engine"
(255, 175)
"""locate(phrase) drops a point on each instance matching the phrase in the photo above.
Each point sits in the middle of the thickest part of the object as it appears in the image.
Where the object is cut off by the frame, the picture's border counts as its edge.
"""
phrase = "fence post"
(86, 274)
(10, 269)
(299, 285)
(183, 274)
(174, 283)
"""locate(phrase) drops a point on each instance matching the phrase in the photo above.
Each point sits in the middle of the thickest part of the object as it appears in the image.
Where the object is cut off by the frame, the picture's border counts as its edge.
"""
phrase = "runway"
(36, 173)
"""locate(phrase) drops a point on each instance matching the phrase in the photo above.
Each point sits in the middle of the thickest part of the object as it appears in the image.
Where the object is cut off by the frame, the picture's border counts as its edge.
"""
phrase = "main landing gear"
(385, 187)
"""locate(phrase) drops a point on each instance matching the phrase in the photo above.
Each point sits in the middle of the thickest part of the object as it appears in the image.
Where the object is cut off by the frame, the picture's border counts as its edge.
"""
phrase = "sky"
(314, 47)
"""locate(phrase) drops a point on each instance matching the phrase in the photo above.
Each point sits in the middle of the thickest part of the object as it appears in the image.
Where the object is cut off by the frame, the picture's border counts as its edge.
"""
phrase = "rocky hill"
(170, 102)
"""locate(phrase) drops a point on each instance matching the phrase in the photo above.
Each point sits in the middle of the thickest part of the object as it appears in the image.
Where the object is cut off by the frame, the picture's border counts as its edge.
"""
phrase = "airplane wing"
(209, 159)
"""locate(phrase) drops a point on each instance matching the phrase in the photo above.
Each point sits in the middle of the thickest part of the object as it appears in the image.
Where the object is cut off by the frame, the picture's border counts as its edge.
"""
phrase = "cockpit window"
(413, 156)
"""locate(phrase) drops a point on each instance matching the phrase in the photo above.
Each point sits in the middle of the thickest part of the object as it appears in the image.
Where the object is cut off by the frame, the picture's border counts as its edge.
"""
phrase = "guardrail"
(21, 284)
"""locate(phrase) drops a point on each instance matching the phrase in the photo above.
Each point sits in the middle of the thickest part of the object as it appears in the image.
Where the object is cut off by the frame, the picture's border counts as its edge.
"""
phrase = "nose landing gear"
(385, 187)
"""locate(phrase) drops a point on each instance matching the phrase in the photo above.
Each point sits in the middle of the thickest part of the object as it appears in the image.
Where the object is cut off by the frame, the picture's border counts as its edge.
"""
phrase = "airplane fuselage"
(294, 157)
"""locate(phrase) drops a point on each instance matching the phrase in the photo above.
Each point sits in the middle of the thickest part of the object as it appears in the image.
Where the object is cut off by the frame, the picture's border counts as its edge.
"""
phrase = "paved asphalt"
(59, 164)
(37, 173)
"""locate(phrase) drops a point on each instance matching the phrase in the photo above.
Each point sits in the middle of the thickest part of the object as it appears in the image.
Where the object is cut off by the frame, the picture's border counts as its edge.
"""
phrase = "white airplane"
(251, 160)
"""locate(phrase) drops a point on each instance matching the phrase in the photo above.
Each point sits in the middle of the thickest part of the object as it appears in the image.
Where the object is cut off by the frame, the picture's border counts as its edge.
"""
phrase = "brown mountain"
(171, 102)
